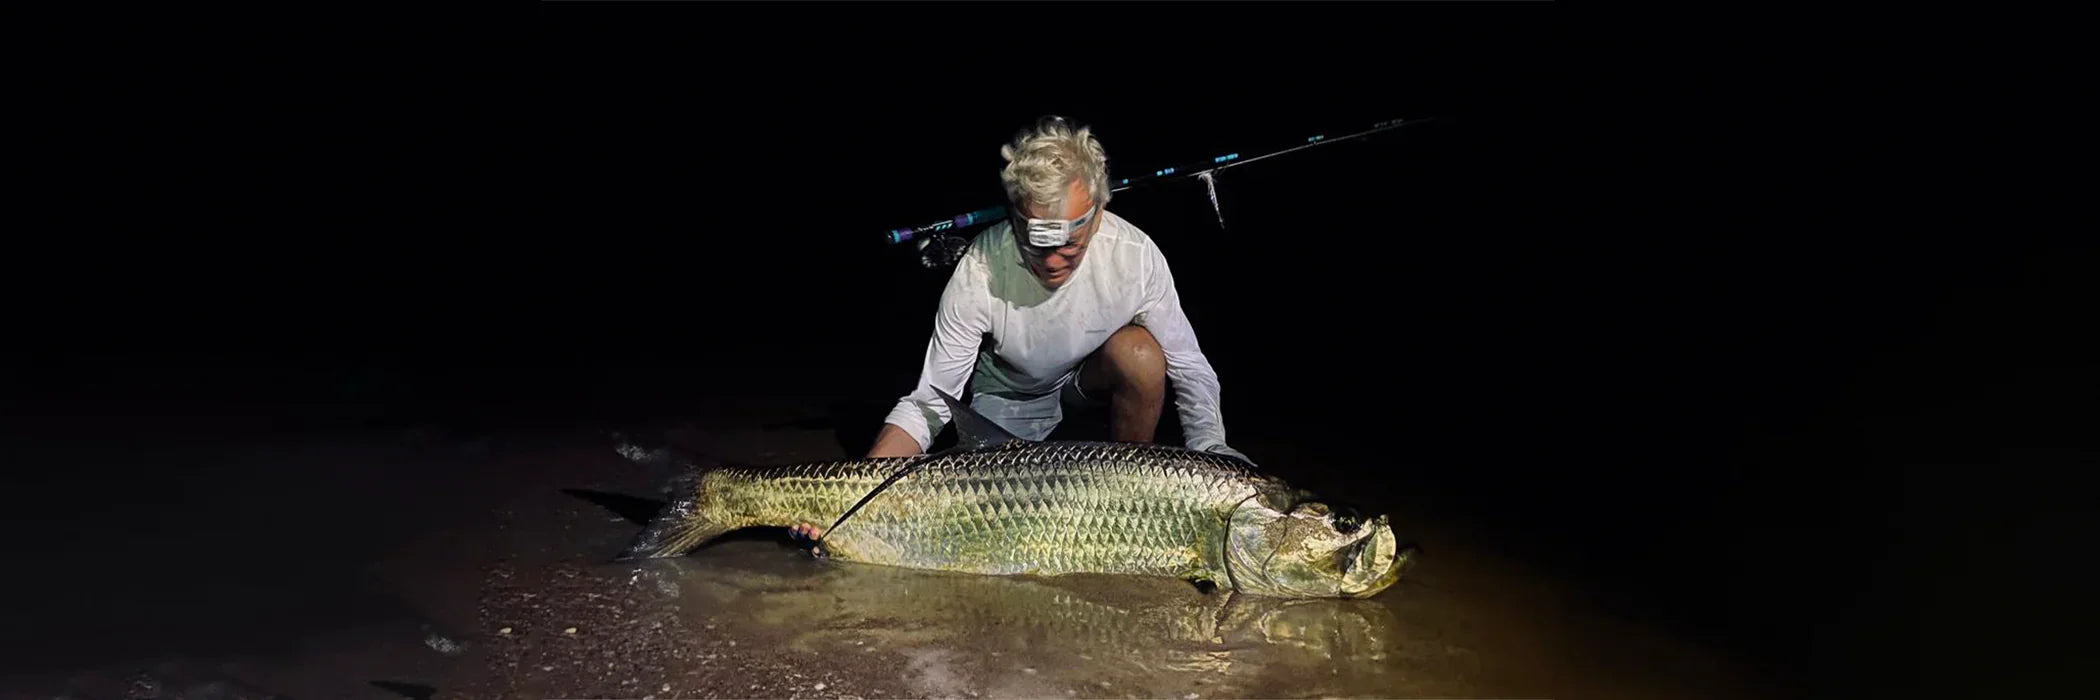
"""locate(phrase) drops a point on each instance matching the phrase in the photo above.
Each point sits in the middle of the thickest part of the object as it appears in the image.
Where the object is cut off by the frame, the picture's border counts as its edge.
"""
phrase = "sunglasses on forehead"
(1054, 233)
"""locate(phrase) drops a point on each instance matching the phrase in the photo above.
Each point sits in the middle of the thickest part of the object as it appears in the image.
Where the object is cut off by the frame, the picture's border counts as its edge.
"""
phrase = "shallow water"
(1093, 635)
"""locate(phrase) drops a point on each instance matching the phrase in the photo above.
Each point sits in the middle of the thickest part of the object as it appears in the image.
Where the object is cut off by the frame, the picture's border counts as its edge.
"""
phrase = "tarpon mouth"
(1382, 559)
(1361, 543)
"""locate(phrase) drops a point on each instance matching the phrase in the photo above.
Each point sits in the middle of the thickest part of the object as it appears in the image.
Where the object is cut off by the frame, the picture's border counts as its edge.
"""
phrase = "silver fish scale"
(1040, 508)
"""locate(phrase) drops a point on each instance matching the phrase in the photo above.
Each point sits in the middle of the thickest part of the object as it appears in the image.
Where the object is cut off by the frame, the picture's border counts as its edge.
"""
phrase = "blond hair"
(1042, 161)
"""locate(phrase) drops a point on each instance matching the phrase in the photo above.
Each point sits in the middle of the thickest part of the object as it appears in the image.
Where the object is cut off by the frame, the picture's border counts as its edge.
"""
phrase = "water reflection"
(1090, 636)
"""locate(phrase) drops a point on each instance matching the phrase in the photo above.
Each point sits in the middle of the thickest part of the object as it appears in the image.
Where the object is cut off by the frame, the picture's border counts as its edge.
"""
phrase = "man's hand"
(893, 442)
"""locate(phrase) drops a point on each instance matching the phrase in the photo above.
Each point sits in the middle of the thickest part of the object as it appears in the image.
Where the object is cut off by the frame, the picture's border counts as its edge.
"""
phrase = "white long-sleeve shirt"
(1038, 336)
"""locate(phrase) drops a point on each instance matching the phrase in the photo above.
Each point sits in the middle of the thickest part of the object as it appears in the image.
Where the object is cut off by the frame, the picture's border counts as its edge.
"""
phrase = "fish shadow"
(640, 511)
(633, 509)
(413, 691)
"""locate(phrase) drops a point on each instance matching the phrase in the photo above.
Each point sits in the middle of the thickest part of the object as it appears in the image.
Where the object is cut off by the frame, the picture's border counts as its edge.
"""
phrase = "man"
(1078, 306)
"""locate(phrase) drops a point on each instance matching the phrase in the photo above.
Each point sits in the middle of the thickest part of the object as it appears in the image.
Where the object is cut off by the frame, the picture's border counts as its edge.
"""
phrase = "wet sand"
(457, 566)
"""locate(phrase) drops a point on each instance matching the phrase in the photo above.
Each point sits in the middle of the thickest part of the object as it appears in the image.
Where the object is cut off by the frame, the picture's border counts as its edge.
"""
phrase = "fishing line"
(908, 468)
(1210, 183)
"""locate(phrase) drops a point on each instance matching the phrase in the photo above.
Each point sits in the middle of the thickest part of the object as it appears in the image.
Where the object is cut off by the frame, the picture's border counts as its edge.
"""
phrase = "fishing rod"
(937, 250)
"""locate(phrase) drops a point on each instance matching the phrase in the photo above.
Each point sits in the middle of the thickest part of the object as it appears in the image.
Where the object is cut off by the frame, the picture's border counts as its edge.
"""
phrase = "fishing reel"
(942, 250)
(943, 242)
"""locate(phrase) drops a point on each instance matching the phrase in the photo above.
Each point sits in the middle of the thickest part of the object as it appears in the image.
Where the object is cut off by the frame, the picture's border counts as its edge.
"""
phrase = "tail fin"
(680, 525)
(677, 530)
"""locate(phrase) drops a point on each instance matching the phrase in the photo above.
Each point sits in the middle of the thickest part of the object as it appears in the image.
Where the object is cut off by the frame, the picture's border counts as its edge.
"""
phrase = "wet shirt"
(997, 323)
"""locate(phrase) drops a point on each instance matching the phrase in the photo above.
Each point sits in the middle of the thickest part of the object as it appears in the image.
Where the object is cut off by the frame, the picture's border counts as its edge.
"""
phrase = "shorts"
(1032, 417)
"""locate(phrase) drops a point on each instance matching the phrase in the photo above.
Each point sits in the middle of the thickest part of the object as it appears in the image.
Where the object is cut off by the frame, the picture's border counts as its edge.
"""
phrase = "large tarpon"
(1001, 505)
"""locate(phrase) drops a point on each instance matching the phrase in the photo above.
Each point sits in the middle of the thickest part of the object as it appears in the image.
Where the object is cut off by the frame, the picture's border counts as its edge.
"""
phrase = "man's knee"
(1135, 359)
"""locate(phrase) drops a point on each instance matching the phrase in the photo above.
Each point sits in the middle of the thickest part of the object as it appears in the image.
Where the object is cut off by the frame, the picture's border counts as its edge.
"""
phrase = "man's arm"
(894, 442)
(958, 327)
(1196, 392)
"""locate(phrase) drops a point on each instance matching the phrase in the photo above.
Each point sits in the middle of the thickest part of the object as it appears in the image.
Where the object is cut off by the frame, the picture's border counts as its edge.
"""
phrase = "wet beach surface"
(428, 564)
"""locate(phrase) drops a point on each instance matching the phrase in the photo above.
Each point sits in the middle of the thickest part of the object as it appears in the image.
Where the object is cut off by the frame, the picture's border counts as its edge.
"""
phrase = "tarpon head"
(1312, 550)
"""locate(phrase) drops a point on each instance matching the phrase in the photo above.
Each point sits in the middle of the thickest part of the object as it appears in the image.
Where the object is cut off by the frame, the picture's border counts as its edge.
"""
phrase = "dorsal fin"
(973, 430)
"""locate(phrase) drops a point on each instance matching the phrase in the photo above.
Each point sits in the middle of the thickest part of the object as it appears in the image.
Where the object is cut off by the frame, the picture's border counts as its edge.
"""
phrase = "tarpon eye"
(1347, 520)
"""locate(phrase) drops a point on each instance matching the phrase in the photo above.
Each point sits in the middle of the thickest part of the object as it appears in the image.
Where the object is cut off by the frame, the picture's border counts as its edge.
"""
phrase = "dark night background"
(1708, 335)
